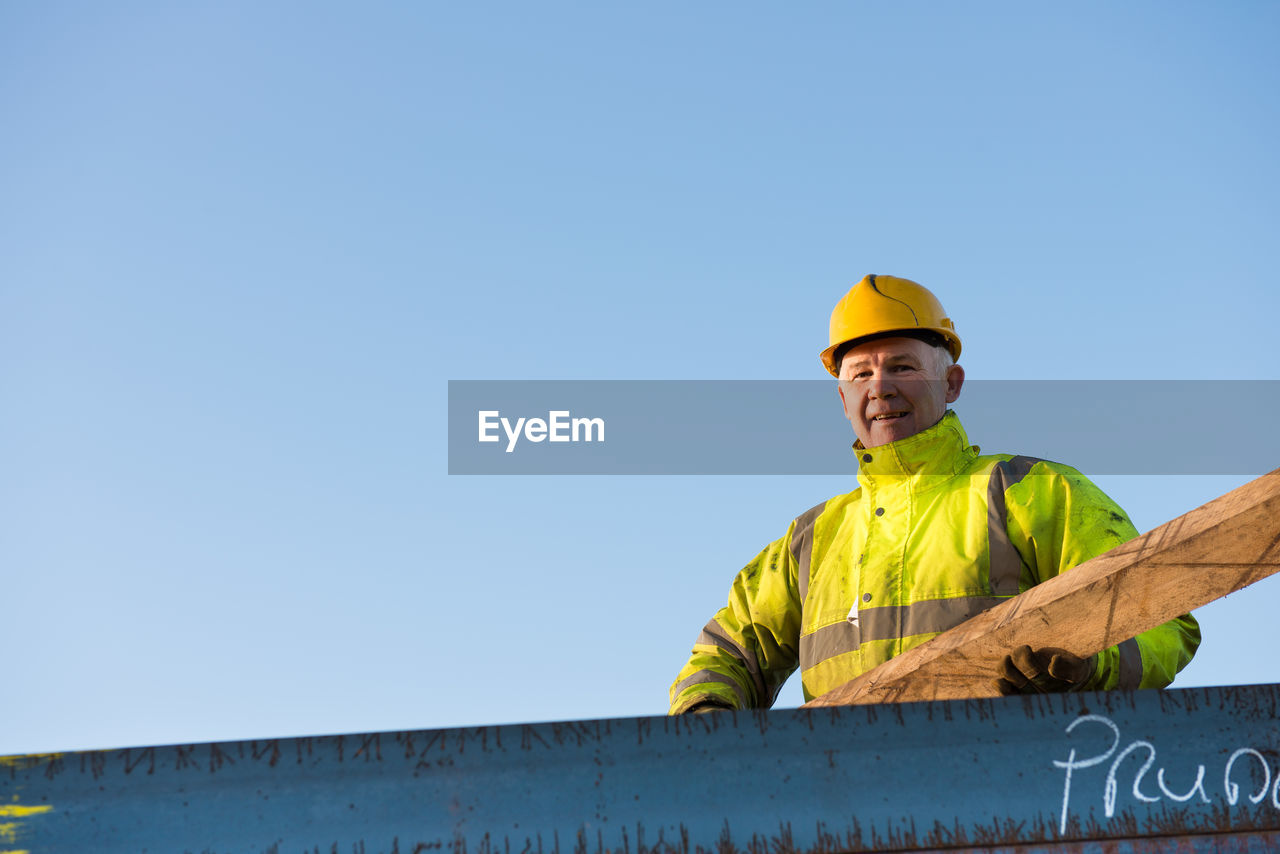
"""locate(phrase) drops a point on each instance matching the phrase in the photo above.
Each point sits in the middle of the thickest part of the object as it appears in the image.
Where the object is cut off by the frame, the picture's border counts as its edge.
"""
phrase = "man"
(934, 534)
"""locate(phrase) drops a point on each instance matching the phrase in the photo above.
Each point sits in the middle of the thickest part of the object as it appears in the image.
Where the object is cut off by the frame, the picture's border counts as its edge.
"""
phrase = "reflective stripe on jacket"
(934, 534)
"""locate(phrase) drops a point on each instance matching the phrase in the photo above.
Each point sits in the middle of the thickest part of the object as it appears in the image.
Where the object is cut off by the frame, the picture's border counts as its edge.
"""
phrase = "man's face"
(893, 388)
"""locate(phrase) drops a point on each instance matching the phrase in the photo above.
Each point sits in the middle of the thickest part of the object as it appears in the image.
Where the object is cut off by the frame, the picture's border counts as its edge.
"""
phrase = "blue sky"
(244, 247)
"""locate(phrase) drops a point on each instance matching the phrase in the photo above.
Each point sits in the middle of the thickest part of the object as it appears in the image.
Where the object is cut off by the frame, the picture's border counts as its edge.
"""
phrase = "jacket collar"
(942, 449)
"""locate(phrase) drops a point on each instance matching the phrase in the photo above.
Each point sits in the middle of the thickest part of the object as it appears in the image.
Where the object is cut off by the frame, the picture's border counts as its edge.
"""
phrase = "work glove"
(1043, 671)
(704, 706)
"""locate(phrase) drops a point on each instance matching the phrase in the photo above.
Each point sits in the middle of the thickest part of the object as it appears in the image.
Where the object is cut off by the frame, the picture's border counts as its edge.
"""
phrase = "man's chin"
(883, 433)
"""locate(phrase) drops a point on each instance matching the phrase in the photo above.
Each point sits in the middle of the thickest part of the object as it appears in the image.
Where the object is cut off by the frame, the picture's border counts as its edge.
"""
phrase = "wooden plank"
(1203, 555)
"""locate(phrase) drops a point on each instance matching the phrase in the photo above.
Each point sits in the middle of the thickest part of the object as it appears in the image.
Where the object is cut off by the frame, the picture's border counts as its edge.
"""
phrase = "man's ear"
(955, 379)
(843, 404)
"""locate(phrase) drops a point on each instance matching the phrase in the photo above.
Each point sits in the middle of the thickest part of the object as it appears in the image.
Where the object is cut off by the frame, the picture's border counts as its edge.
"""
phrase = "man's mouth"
(888, 416)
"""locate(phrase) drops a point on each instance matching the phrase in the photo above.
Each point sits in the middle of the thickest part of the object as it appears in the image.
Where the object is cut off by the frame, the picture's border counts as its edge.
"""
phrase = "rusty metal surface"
(1193, 770)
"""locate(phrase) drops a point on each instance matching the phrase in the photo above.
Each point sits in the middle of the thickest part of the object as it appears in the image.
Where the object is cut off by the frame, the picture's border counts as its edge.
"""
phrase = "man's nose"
(879, 386)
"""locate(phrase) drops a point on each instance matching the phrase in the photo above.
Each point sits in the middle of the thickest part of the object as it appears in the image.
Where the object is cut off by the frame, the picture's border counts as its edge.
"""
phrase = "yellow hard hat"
(880, 304)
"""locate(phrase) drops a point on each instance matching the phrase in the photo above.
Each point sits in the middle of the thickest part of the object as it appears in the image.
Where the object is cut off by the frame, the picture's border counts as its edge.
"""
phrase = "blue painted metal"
(1199, 769)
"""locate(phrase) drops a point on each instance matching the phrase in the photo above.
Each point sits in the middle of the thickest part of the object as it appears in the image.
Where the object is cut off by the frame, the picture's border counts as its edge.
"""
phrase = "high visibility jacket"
(934, 534)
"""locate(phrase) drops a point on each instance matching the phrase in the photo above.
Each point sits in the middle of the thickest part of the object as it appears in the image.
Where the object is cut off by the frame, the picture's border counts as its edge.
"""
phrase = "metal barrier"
(1197, 769)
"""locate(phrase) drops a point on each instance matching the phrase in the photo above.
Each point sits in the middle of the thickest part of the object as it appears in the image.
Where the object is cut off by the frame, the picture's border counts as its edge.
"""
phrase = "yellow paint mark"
(9, 829)
(16, 851)
(28, 760)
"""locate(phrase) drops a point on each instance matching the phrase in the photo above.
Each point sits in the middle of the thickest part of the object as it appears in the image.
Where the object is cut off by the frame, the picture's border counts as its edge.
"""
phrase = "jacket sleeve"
(1058, 519)
(750, 647)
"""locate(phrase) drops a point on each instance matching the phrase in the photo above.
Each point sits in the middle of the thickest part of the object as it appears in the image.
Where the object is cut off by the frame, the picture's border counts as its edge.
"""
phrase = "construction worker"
(934, 534)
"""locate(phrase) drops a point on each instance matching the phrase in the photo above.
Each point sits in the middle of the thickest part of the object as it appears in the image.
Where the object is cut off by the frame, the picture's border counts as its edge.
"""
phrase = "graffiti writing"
(1245, 771)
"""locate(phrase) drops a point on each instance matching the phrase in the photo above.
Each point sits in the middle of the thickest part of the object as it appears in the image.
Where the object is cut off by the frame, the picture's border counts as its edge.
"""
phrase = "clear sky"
(244, 246)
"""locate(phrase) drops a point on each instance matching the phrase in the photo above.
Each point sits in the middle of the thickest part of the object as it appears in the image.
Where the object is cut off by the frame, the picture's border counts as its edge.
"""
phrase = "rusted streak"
(432, 739)
(218, 757)
(148, 753)
(373, 740)
(183, 758)
(272, 745)
(1157, 833)
(527, 735)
